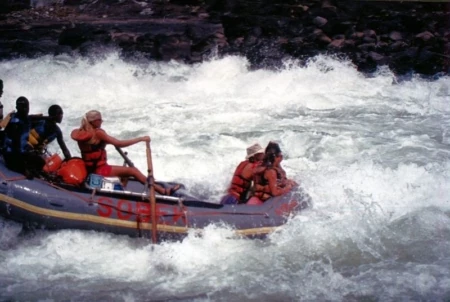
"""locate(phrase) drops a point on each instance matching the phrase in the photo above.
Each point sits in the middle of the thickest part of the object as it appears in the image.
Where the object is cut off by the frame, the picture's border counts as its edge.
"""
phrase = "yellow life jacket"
(35, 141)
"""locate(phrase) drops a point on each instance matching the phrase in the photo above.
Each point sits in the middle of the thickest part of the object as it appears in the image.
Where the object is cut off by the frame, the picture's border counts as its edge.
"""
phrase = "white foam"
(369, 151)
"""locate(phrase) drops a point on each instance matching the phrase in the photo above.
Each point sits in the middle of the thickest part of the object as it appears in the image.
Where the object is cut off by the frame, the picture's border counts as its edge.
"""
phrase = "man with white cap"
(243, 175)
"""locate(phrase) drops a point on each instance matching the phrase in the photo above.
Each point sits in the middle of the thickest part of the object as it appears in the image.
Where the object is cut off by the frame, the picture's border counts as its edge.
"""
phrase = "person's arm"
(102, 135)
(284, 180)
(4, 122)
(271, 176)
(62, 145)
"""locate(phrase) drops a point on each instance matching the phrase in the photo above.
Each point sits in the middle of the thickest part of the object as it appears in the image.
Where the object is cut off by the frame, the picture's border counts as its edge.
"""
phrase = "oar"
(125, 157)
(152, 192)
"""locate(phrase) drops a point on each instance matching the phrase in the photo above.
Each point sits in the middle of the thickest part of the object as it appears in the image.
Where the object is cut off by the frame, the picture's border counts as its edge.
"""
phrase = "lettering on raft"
(125, 209)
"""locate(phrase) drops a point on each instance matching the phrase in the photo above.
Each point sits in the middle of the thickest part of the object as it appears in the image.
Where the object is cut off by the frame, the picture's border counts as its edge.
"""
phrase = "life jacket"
(262, 189)
(52, 163)
(73, 171)
(16, 135)
(41, 135)
(92, 149)
(239, 184)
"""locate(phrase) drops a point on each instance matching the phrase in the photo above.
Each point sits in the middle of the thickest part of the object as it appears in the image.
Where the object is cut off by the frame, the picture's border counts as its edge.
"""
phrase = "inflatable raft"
(101, 204)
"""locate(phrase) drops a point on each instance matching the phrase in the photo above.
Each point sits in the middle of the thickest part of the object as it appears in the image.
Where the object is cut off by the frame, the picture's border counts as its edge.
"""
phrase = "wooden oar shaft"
(152, 193)
(125, 157)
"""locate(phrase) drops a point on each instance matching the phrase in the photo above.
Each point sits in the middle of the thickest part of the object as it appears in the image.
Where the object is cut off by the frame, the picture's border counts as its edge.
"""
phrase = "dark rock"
(425, 36)
(172, 48)
(76, 36)
(396, 46)
(403, 62)
(357, 35)
(395, 36)
(336, 27)
(7, 6)
(319, 21)
(407, 36)
(367, 47)
(337, 44)
(350, 44)
(294, 46)
(369, 39)
(250, 41)
(322, 39)
(377, 58)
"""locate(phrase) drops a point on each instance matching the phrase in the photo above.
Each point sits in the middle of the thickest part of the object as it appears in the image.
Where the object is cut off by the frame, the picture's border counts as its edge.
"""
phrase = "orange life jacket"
(239, 184)
(262, 189)
(92, 149)
(73, 171)
(52, 163)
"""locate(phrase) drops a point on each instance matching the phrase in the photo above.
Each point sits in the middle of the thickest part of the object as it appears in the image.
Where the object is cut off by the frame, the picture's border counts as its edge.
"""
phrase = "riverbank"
(404, 36)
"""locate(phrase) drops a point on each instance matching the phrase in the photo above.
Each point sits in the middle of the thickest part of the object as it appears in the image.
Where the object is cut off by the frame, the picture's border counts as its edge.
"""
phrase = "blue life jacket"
(16, 135)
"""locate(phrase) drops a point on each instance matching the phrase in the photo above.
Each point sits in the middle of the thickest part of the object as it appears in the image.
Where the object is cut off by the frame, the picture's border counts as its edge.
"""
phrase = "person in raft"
(17, 152)
(46, 131)
(283, 180)
(92, 140)
(240, 186)
(269, 183)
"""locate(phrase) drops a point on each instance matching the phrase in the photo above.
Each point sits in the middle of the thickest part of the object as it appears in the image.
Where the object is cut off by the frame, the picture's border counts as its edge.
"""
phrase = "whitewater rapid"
(373, 152)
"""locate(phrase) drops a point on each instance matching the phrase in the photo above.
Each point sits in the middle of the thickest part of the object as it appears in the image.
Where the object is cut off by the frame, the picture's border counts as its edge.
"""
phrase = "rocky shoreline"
(405, 36)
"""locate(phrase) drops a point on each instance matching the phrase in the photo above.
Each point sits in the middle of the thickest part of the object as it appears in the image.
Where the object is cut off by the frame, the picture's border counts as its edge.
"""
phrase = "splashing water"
(372, 152)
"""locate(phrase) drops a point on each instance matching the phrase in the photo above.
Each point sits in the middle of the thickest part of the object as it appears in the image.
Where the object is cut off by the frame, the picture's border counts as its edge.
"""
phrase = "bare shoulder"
(270, 173)
(100, 132)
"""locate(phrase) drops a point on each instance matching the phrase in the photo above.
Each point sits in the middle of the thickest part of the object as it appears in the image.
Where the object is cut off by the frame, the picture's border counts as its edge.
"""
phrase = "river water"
(372, 152)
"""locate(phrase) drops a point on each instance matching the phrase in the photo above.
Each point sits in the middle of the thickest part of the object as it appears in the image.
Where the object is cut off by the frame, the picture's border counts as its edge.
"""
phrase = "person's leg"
(33, 164)
(122, 171)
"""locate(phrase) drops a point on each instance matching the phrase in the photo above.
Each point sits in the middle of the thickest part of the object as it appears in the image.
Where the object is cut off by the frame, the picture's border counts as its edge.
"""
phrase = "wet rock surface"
(404, 36)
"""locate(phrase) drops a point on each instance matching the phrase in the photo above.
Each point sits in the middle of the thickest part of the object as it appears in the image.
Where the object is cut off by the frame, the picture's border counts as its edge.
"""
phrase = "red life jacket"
(92, 150)
(239, 184)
